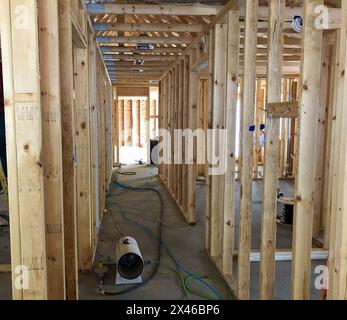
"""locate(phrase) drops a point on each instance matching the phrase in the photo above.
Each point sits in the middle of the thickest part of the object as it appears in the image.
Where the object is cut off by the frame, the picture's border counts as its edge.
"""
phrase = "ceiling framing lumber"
(145, 40)
(177, 28)
(135, 50)
(148, 27)
(137, 57)
(144, 9)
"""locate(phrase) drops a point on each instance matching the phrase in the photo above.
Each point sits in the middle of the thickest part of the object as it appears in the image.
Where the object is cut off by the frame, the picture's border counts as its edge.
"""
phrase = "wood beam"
(140, 54)
(92, 54)
(83, 149)
(338, 253)
(217, 179)
(144, 9)
(321, 136)
(308, 102)
(148, 126)
(78, 37)
(133, 49)
(290, 12)
(230, 125)
(143, 75)
(23, 107)
(69, 177)
(247, 157)
(52, 147)
(145, 40)
(288, 42)
(271, 165)
(192, 124)
(129, 70)
(108, 58)
(331, 143)
(221, 15)
(11, 139)
(283, 109)
(130, 64)
(209, 119)
(337, 125)
(148, 27)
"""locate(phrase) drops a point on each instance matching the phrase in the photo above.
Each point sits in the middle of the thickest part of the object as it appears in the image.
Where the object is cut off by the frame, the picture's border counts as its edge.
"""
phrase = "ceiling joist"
(148, 27)
(145, 9)
(174, 29)
(146, 40)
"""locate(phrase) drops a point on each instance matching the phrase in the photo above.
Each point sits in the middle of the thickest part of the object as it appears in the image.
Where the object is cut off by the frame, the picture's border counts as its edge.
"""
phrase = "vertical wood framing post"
(330, 138)
(218, 123)
(243, 279)
(11, 141)
(208, 212)
(272, 146)
(93, 115)
(24, 138)
(160, 124)
(169, 128)
(338, 233)
(192, 124)
(308, 103)
(128, 122)
(115, 125)
(179, 154)
(257, 131)
(186, 94)
(153, 118)
(148, 125)
(137, 123)
(230, 121)
(121, 106)
(320, 139)
(52, 147)
(83, 142)
(164, 127)
(67, 111)
(176, 112)
(335, 159)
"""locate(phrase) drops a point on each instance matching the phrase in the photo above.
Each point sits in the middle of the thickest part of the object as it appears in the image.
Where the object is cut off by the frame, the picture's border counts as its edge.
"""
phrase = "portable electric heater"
(130, 263)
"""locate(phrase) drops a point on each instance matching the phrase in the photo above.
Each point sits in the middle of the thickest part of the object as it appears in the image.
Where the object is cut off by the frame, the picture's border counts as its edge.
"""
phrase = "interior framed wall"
(57, 179)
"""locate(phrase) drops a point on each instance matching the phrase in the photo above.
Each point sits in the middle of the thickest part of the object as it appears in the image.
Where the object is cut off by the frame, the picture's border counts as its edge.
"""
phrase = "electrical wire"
(139, 212)
(127, 173)
(110, 207)
(186, 280)
(177, 272)
(135, 287)
(120, 230)
(176, 262)
(202, 294)
(163, 245)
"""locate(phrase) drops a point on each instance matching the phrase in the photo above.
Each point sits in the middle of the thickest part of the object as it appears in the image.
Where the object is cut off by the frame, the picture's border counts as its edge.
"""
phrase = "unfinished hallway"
(173, 150)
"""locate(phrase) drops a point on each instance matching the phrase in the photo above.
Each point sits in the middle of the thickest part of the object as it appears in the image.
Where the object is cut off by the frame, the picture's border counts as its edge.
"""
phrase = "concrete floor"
(187, 244)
